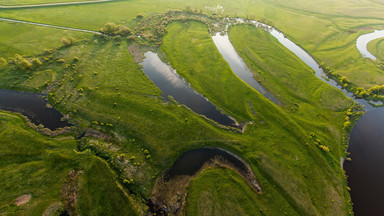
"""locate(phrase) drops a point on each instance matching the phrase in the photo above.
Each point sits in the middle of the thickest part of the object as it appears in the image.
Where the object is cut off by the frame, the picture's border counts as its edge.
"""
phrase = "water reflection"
(167, 80)
(33, 106)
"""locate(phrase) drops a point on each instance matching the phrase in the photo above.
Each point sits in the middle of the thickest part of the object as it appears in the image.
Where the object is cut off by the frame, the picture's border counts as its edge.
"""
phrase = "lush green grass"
(221, 191)
(293, 82)
(192, 53)
(376, 47)
(106, 74)
(31, 163)
(32, 2)
(24, 39)
(327, 30)
(101, 194)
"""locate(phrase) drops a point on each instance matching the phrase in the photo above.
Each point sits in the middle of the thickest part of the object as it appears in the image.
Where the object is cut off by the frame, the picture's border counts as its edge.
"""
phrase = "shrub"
(3, 62)
(36, 63)
(68, 42)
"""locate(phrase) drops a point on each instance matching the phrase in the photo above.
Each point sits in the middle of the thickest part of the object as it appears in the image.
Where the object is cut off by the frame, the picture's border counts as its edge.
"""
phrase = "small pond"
(167, 80)
(33, 106)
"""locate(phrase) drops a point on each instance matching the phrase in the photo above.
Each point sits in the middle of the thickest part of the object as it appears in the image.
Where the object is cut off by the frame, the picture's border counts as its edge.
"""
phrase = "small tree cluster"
(68, 42)
(23, 64)
(116, 30)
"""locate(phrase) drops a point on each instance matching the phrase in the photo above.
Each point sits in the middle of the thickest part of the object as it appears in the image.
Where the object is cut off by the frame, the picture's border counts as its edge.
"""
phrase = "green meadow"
(376, 48)
(38, 165)
(33, 2)
(294, 148)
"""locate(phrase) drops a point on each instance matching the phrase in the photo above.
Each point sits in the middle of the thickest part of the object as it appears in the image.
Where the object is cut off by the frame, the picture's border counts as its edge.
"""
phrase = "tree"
(124, 31)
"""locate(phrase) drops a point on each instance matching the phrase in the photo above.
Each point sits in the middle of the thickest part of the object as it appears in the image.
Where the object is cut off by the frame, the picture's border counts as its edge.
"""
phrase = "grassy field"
(220, 191)
(33, 2)
(286, 76)
(190, 42)
(376, 47)
(327, 30)
(101, 194)
(97, 83)
(105, 86)
(33, 164)
(24, 39)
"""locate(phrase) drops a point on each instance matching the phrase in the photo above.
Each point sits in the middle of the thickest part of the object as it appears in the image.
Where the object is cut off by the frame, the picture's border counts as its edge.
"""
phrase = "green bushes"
(3, 62)
(24, 64)
(116, 30)
(68, 42)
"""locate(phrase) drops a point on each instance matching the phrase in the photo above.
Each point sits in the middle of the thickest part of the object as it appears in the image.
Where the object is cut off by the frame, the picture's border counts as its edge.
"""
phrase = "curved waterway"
(167, 80)
(238, 66)
(366, 170)
(363, 40)
(33, 106)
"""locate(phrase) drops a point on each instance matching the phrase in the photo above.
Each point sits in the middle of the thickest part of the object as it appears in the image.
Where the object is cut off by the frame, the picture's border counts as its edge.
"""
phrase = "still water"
(167, 80)
(33, 106)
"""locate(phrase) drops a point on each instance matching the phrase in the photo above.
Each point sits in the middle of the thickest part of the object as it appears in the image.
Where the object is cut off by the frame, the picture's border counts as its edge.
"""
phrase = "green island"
(124, 135)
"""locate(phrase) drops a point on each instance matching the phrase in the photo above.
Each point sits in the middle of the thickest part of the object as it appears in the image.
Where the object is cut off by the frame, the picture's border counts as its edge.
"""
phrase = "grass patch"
(376, 48)
(101, 194)
(33, 2)
(24, 39)
(221, 191)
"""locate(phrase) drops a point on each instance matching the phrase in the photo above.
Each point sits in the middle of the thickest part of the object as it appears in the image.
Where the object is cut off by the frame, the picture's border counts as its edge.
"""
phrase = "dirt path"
(50, 26)
(53, 4)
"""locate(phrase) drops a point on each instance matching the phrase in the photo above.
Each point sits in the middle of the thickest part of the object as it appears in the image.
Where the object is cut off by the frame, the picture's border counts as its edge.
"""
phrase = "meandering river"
(366, 170)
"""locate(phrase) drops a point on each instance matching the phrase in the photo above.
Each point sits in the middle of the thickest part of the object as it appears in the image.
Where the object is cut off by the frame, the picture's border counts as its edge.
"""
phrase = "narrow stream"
(33, 106)
(167, 80)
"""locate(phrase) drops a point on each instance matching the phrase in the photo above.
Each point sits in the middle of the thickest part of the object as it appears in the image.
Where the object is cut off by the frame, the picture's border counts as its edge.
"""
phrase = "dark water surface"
(191, 161)
(167, 80)
(33, 106)
(366, 170)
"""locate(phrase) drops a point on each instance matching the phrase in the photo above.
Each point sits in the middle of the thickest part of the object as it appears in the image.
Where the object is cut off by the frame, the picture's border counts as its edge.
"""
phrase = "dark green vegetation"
(294, 149)
(38, 165)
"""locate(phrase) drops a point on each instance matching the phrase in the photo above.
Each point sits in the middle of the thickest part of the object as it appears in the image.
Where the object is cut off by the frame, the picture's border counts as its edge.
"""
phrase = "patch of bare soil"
(69, 192)
(136, 53)
(21, 200)
(95, 133)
